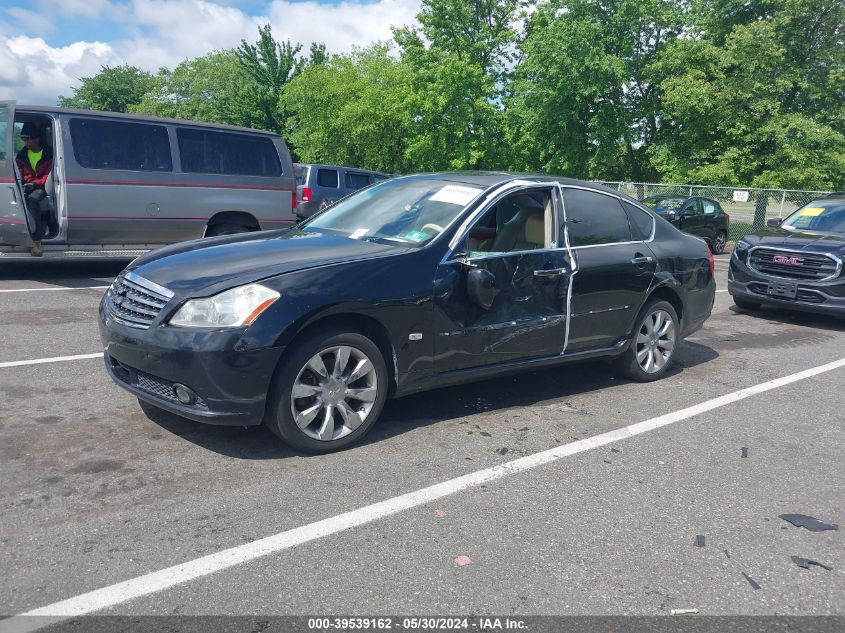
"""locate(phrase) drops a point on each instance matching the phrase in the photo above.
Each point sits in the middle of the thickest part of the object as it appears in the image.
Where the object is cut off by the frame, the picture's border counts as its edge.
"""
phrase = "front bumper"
(229, 378)
(817, 298)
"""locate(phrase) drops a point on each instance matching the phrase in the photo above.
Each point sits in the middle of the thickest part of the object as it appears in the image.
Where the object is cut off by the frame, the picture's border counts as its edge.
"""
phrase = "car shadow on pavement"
(778, 316)
(431, 407)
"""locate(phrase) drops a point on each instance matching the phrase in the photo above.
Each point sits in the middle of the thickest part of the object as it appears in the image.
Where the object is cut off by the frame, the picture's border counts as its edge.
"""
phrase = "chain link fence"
(748, 207)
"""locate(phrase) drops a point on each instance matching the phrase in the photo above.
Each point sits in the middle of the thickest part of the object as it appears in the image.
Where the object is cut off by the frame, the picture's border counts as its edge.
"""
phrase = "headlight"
(742, 246)
(232, 308)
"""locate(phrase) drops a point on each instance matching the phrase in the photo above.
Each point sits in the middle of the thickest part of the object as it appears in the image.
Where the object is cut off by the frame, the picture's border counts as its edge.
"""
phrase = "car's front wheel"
(329, 391)
(652, 351)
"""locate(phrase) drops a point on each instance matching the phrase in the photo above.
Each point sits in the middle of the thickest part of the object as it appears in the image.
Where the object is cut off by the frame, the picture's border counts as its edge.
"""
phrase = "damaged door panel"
(502, 294)
(615, 269)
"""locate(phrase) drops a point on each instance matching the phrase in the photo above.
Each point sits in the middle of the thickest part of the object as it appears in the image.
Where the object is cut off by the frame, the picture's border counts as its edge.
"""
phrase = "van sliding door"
(15, 223)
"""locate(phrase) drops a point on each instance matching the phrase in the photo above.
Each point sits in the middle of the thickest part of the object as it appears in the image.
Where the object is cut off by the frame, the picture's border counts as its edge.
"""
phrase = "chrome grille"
(798, 265)
(133, 301)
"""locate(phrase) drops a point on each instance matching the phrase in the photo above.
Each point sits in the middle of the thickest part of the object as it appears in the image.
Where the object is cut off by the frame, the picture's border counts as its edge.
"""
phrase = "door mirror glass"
(774, 222)
(481, 287)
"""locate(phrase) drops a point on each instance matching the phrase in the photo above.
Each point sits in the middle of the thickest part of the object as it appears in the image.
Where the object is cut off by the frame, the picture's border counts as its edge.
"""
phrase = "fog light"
(185, 395)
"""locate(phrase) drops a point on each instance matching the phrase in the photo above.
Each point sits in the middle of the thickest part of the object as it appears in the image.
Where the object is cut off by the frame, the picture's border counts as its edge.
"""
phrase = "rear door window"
(327, 178)
(594, 218)
(120, 145)
(642, 224)
(355, 181)
(213, 152)
(709, 207)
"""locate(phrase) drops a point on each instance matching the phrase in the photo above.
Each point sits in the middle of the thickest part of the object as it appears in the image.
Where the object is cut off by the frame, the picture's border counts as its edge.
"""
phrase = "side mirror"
(774, 222)
(481, 287)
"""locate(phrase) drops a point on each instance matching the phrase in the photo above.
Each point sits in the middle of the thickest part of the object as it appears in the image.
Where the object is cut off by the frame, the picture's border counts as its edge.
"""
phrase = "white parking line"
(55, 359)
(46, 289)
(183, 572)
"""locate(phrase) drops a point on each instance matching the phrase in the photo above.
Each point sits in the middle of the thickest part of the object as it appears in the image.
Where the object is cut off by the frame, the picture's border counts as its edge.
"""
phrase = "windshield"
(300, 172)
(824, 216)
(664, 203)
(407, 211)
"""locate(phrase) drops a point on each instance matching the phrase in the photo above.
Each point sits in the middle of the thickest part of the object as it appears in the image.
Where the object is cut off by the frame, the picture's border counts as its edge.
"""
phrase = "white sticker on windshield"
(455, 194)
(358, 233)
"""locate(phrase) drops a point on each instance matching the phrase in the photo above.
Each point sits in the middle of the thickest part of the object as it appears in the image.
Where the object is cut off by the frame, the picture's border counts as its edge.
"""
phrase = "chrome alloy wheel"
(334, 393)
(719, 244)
(655, 341)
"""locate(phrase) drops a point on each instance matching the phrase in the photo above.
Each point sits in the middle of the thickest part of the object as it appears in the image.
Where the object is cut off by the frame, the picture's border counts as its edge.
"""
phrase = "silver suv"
(318, 186)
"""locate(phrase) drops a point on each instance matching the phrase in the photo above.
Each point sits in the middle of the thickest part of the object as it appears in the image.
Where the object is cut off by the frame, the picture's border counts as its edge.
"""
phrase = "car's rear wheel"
(746, 305)
(719, 243)
(652, 351)
(329, 391)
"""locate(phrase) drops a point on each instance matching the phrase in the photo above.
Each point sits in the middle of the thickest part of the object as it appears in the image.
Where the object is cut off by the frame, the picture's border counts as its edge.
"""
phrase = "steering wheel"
(433, 227)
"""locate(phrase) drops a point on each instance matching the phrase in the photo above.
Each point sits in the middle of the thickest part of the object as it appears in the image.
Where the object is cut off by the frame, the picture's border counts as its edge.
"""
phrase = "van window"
(357, 181)
(122, 145)
(211, 152)
(327, 178)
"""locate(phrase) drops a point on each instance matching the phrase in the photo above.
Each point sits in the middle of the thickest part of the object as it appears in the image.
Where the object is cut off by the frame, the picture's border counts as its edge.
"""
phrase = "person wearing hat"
(35, 162)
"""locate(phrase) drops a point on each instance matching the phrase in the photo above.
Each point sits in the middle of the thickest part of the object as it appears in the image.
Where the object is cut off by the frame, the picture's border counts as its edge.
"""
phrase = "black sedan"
(795, 264)
(411, 284)
(698, 216)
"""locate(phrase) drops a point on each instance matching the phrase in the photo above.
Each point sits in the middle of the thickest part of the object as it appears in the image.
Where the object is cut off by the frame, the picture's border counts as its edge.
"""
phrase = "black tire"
(719, 243)
(227, 229)
(628, 363)
(279, 417)
(743, 304)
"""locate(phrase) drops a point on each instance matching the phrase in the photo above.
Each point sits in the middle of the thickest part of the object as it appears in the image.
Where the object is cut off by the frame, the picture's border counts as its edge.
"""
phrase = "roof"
(137, 117)
(325, 166)
(489, 179)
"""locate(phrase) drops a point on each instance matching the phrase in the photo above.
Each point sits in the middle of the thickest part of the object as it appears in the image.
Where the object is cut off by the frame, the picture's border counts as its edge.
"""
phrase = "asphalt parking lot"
(96, 492)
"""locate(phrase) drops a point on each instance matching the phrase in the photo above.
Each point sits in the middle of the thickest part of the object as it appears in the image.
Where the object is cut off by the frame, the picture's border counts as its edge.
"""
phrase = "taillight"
(293, 199)
(307, 196)
(712, 263)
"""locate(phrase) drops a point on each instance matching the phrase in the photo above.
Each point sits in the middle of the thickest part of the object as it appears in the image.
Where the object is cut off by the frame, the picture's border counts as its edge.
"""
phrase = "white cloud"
(32, 71)
(165, 32)
(341, 26)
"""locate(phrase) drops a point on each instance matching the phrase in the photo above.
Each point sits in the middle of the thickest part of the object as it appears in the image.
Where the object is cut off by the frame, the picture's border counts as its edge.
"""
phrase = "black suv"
(794, 264)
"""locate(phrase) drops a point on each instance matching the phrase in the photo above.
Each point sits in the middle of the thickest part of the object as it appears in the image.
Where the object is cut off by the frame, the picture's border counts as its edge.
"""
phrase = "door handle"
(550, 272)
(642, 259)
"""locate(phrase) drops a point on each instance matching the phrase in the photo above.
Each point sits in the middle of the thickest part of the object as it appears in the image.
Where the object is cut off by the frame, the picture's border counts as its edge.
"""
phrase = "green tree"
(352, 110)
(456, 59)
(113, 89)
(271, 65)
(213, 88)
(317, 54)
(583, 100)
(757, 99)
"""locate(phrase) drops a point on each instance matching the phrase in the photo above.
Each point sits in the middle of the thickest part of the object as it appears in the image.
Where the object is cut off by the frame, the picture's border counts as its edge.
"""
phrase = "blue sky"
(47, 45)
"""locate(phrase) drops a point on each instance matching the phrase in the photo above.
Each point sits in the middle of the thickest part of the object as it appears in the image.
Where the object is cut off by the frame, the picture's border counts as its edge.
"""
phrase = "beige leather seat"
(526, 231)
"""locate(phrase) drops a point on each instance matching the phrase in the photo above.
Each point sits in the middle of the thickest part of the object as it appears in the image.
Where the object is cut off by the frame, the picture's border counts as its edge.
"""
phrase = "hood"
(809, 241)
(210, 265)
